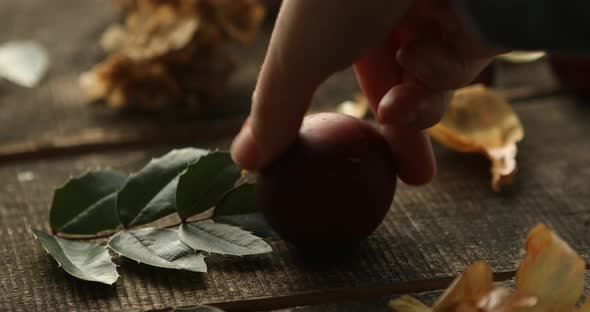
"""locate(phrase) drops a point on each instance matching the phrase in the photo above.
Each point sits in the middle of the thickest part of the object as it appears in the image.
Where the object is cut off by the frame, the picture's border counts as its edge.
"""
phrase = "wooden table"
(49, 133)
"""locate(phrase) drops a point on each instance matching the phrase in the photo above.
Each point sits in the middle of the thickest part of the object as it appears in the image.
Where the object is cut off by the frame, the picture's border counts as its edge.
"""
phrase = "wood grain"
(36, 122)
(431, 234)
(54, 118)
(381, 304)
(97, 139)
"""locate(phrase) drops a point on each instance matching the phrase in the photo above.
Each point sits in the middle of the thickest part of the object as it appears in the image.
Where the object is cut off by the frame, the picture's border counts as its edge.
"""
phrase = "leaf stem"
(111, 233)
(85, 237)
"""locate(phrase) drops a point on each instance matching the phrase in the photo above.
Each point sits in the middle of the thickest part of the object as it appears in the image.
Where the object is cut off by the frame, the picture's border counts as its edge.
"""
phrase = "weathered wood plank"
(522, 81)
(516, 75)
(95, 140)
(431, 234)
(55, 116)
(381, 304)
(57, 110)
(34, 121)
(350, 299)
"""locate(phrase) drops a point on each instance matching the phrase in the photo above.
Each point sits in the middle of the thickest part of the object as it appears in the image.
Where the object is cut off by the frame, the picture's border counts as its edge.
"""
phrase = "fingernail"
(244, 150)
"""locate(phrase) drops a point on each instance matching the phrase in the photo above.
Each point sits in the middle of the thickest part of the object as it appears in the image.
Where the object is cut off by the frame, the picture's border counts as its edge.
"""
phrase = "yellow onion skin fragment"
(469, 288)
(408, 304)
(586, 306)
(550, 271)
(549, 279)
(480, 120)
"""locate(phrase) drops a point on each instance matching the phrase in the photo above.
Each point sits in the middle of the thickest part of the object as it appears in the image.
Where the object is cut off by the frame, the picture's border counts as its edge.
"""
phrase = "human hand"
(408, 57)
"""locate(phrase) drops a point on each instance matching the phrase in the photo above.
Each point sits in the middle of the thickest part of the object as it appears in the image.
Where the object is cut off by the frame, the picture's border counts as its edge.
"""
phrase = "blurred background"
(122, 73)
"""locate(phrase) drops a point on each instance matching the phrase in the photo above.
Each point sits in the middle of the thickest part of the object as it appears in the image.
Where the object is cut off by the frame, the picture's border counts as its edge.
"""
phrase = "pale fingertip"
(244, 150)
(388, 114)
(400, 106)
(413, 107)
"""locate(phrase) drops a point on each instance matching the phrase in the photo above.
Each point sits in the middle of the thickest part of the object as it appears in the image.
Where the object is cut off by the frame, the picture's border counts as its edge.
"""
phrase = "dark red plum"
(333, 187)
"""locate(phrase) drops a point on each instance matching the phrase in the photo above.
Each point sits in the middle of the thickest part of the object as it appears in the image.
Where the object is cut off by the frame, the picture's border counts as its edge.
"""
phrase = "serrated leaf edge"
(142, 211)
(226, 254)
(153, 160)
(59, 265)
(84, 174)
(76, 178)
(185, 171)
(151, 251)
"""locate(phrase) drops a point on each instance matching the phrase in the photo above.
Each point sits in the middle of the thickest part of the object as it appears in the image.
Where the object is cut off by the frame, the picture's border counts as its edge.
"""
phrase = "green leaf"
(240, 200)
(86, 205)
(251, 222)
(157, 247)
(222, 239)
(150, 194)
(84, 260)
(204, 183)
(198, 308)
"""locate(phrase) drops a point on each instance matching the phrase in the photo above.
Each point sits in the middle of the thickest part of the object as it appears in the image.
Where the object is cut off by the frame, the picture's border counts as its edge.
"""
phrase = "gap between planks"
(339, 295)
(101, 140)
(342, 295)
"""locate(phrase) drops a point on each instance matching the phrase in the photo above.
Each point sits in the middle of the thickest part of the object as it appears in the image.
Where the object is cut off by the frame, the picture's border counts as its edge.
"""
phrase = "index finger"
(312, 40)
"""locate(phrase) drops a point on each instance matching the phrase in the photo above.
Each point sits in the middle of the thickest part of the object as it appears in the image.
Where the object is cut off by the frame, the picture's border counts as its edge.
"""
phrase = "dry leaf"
(239, 19)
(549, 279)
(503, 300)
(586, 306)
(470, 295)
(462, 295)
(469, 288)
(408, 304)
(480, 120)
(123, 82)
(551, 271)
(171, 53)
(155, 28)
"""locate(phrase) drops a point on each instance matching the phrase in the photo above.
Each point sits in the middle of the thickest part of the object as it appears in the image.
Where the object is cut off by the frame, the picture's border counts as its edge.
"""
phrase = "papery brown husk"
(408, 304)
(151, 85)
(469, 288)
(170, 53)
(550, 271)
(586, 306)
(480, 120)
